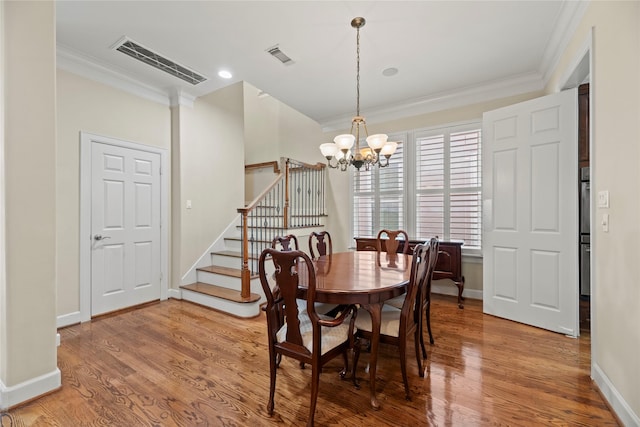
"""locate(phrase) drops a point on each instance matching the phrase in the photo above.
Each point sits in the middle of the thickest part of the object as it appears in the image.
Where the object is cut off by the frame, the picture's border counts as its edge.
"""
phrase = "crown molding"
(181, 98)
(565, 27)
(487, 91)
(69, 60)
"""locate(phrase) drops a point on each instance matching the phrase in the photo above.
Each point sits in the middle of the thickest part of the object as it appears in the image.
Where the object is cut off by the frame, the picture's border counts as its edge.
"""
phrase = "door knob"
(99, 237)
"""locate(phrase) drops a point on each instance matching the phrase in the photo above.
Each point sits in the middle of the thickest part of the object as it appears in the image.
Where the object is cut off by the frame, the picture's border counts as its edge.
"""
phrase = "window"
(434, 191)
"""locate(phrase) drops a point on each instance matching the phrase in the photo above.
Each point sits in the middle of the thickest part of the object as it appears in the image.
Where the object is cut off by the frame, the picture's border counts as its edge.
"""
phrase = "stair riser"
(236, 309)
(236, 245)
(219, 280)
(226, 261)
(233, 245)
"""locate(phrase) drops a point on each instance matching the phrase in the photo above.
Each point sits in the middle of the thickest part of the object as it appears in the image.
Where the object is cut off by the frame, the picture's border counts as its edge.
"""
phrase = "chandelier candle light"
(340, 148)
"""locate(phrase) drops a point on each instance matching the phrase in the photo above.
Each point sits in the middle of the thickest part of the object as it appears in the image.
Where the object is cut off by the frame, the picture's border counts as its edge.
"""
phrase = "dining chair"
(322, 242)
(285, 243)
(306, 336)
(289, 243)
(391, 243)
(426, 291)
(426, 295)
(397, 324)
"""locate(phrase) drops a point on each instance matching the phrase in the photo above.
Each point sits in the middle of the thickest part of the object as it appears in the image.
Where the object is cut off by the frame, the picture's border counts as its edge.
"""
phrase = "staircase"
(227, 279)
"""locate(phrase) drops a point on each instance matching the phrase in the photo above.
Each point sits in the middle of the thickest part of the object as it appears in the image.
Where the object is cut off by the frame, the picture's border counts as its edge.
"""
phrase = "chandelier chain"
(358, 71)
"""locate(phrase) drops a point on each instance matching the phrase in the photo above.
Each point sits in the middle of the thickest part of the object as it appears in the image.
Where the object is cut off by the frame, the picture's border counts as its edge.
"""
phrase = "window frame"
(410, 192)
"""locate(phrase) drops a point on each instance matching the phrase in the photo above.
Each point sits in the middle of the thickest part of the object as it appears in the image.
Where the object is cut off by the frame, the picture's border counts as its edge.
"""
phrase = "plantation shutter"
(430, 184)
(363, 204)
(391, 185)
(378, 199)
(465, 188)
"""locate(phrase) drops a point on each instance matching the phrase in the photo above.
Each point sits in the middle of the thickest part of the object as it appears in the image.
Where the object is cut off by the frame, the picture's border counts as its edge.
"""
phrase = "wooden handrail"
(317, 166)
(251, 206)
(274, 164)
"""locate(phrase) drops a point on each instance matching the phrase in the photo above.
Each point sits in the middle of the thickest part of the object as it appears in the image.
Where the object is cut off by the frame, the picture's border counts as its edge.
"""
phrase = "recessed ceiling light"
(391, 71)
(225, 74)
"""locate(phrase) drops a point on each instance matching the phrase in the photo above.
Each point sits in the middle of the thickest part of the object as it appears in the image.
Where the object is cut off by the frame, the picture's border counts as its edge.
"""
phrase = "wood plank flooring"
(175, 363)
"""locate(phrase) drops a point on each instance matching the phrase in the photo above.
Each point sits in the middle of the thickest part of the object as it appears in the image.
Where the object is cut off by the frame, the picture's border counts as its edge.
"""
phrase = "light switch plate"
(605, 223)
(603, 199)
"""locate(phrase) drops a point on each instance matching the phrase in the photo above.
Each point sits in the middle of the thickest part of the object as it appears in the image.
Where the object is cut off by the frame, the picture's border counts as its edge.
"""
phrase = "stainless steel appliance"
(585, 238)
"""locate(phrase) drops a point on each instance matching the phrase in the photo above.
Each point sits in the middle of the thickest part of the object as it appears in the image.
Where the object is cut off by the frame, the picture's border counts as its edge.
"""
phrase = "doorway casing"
(86, 142)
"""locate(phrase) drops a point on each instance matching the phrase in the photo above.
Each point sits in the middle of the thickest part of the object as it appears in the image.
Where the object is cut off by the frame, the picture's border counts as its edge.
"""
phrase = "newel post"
(286, 195)
(245, 274)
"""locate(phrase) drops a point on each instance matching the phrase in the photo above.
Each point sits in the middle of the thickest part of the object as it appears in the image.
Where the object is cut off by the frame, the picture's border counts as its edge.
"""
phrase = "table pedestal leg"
(375, 310)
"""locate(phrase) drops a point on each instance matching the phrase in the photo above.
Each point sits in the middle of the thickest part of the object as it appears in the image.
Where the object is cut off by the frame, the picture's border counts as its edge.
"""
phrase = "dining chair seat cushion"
(331, 336)
(389, 322)
(396, 302)
(321, 307)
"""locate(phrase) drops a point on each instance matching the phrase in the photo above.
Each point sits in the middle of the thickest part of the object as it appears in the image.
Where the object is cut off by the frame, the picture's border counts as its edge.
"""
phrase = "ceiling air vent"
(149, 57)
(278, 54)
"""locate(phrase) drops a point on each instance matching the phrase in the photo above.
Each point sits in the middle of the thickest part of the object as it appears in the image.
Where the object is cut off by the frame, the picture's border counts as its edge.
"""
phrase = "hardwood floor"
(178, 364)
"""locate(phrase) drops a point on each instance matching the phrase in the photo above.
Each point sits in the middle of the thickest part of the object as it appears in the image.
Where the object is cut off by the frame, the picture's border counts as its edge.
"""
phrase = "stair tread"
(220, 292)
(225, 271)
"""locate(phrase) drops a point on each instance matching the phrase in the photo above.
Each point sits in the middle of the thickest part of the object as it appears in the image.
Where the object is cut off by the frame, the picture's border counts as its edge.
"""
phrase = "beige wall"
(28, 317)
(211, 153)
(87, 106)
(261, 133)
(274, 130)
(615, 105)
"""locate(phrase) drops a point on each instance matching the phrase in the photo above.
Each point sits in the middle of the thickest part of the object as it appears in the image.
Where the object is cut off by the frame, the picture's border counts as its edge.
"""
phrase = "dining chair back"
(305, 335)
(396, 324)
(322, 243)
(391, 243)
(285, 243)
(425, 290)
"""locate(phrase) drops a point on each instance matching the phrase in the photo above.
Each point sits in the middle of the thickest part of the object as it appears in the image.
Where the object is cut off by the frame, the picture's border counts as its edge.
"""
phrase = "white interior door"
(530, 213)
(125, 227)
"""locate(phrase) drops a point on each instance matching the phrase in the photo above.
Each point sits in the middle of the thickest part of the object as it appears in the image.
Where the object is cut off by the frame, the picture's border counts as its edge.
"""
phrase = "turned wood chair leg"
(403, 365)
(315, 383)
(272, 382)
(418, 344)
(429, 324)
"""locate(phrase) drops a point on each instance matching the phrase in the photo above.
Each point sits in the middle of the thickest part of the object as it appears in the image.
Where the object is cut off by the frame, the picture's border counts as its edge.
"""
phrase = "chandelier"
(340, 148)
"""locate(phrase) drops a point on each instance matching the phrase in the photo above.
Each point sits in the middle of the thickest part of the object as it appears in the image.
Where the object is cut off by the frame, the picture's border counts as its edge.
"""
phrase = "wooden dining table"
(365, 278)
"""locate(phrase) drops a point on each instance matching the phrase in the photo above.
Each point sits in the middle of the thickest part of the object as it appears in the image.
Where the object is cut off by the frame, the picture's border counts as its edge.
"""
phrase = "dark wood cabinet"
(583, 125)
(449, 265)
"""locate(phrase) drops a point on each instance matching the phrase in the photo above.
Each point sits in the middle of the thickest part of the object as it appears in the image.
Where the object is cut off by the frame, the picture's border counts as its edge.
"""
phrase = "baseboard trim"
(616, 402)
(450, 289)
(68, 319)
(174, 293)
(29, 390)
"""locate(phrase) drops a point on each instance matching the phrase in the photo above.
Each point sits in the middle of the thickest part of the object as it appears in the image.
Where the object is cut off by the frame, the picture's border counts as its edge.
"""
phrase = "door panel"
(530, 201)
(125, 224)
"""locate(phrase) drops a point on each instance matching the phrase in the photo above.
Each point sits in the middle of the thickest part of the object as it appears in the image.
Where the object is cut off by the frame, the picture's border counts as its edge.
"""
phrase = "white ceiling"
(444, 50)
